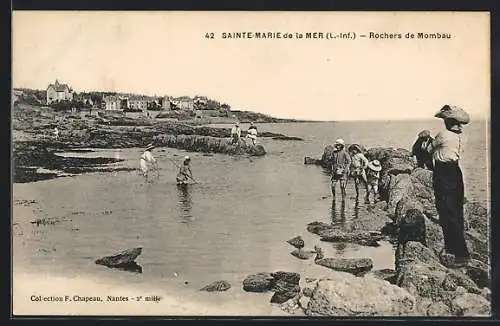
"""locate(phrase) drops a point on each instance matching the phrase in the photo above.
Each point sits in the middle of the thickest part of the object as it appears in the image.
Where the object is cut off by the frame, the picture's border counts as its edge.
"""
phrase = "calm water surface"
(235, 222)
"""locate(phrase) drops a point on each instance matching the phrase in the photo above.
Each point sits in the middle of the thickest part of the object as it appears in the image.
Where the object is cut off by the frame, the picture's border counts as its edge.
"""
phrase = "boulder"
(288, 277)
(297, 242)
(261, 282)
(478, 244)
(121, 258)
(479, 272)
(320, 227)
(303, 254)
(343, 294)
(364, 238)
(476, 217)
(217, 286)
(285, 285)
(423, 176)
(470, 305)
(400, 185)
(398, 165)
(326, 158)
(356, 266)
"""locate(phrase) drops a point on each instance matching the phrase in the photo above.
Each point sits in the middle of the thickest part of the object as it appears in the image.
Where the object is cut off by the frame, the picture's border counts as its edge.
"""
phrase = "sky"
(167, 53)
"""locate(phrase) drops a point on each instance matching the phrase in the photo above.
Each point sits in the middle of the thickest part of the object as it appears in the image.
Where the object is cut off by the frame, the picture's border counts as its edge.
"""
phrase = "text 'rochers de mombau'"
(326, 35)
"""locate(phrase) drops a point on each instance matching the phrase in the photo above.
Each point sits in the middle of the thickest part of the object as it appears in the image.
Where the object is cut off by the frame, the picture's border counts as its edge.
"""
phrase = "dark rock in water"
(310, 279)
(289, 277)
(364, 238)
(217, 286)
(120, 259)
(318, 227)
(285, 294)
(297, 242)
(285, 285)
(303, 254)
(312, 161)
(356, 266)
(260, 282)
(128, 267)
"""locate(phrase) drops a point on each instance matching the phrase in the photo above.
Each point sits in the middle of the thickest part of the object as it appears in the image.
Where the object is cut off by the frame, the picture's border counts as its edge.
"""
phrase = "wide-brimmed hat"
(355, 147)
(150, 146)
(374, 165)
(187, 158)
(424, 133)
(453, 112)
(339, 141)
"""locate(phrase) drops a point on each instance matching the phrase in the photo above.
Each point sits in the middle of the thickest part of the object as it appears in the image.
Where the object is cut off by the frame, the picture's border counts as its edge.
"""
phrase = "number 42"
(209, 35)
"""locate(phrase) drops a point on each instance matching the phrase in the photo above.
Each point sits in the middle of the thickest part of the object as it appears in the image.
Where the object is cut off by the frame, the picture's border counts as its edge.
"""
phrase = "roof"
(58, 87)
(110, 98)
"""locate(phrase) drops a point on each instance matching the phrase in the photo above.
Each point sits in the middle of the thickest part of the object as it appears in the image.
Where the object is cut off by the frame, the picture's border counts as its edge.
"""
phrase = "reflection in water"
(132, 267)
(356, 208)
(184, 204)
(338, 217)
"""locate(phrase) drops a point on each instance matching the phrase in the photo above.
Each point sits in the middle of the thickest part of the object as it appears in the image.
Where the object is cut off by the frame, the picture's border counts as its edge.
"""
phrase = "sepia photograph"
(239, 163)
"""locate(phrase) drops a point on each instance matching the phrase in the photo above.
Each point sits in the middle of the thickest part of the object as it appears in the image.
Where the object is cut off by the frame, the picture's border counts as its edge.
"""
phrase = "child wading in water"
(341, 161)
(373, 175)
(358, 166)
(184, 172)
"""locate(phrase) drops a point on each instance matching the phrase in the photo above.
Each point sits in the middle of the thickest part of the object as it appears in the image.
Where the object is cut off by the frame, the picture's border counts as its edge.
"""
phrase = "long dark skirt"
(449, 192)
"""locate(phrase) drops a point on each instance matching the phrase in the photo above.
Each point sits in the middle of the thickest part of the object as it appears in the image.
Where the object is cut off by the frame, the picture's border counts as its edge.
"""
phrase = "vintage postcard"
(251, 163)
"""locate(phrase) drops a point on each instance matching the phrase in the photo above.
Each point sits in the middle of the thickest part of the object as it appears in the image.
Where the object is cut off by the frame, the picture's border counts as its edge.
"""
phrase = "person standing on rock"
(420, 150)
(341, 162)
(56, 133)
(358, 166)
(448, 184)
(147, 159)
(252, 133)
(373, 176)
(235, 133)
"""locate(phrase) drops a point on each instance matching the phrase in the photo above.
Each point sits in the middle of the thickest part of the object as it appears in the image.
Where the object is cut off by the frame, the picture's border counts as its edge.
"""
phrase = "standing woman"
(448, 182)
(146, 160)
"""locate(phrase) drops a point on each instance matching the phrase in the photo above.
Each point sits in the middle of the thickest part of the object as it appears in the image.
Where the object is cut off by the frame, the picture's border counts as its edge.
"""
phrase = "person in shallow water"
(147, 160)
(358, 166)
(341, 162)
(373, 175)
(448, 184)
(185, 173)
(420, 150)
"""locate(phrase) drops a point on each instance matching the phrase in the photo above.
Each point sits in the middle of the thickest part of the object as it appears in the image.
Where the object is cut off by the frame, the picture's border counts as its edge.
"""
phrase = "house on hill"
(184, 103)
(112, 102)
(59, 92)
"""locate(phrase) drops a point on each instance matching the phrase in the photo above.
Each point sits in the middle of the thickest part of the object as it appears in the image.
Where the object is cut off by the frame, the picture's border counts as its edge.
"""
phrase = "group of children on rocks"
(352, 163)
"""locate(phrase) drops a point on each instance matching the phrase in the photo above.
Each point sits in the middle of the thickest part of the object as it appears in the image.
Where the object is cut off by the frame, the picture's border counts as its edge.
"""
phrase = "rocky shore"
(420, 284)
(35, 146)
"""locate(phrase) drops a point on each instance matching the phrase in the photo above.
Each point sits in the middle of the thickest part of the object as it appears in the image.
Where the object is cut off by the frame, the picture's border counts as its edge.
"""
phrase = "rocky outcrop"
(421, 266)
(207, 144)
(342, 294)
